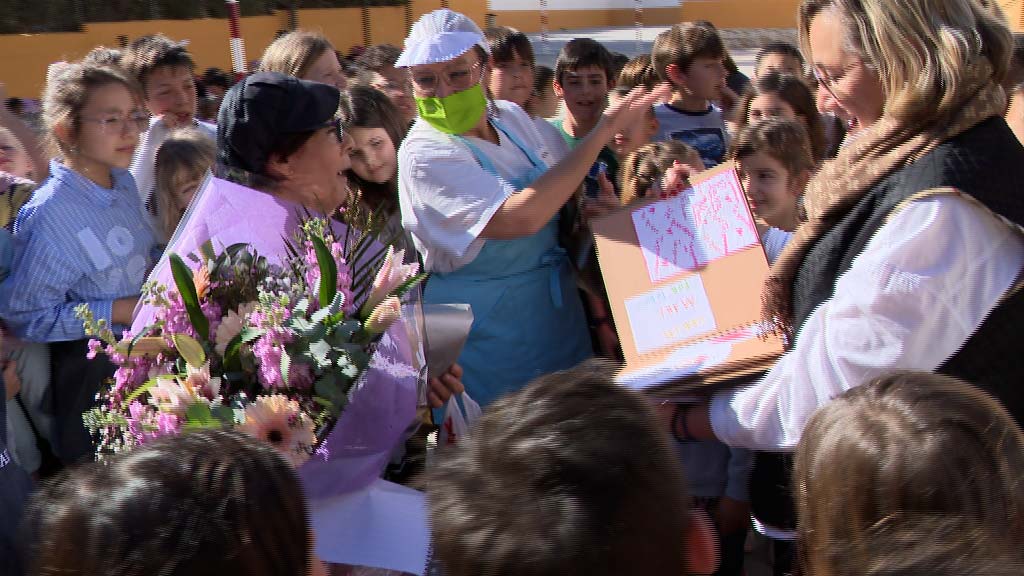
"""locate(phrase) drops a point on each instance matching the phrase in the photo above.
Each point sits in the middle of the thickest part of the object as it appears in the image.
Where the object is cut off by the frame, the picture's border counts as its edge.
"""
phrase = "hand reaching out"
(632, 108)
(605, 202)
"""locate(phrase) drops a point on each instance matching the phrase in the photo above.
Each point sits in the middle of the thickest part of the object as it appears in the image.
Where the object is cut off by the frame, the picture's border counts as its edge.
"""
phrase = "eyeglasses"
(339, 129)
(458, 79)
(137, 121)
(7, 149)
(829, 82)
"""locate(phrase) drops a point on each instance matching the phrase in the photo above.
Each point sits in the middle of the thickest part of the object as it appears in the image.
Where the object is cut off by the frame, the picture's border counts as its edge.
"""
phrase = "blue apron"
(527, 316)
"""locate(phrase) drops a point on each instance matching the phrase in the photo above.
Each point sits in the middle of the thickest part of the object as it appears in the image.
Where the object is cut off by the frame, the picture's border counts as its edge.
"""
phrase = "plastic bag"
(455, 425)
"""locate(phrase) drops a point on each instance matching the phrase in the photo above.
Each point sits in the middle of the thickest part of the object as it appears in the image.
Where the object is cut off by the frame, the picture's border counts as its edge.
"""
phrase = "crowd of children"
(908, 473)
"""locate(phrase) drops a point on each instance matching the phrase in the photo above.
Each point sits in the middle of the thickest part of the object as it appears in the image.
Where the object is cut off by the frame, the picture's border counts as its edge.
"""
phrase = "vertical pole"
(365, 14)
(638, 20)
(544, 27)
(235, 42)
(408, 16)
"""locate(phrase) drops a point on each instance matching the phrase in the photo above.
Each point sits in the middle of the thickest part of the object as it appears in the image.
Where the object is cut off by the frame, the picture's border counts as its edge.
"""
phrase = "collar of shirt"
(122, 180)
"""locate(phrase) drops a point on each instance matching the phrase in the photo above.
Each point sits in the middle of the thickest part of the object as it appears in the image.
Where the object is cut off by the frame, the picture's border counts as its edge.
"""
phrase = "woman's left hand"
(443, 388)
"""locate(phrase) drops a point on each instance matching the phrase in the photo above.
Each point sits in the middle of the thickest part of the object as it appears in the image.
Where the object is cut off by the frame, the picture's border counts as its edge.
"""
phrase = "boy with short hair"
(635, 136)
(165, 71)
(584, 72)
(375, 67)
(569, 475)
(781, 57)
(690, 57)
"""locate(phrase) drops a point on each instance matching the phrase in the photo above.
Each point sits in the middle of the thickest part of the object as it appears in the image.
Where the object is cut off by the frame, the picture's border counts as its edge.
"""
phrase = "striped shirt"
(74, 242)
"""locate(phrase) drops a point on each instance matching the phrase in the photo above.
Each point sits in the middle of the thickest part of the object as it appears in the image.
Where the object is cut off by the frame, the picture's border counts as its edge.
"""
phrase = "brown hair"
(905, 450)
(919, 48)
(570, 475)
(185, 156)
(505, 43)
(206, 502)
(294, 53)
(148, 53)
(793, 91)
(371, 108)
(68, 87)
(648, 163)
(581, 53)
(638, 72)
(682, 44)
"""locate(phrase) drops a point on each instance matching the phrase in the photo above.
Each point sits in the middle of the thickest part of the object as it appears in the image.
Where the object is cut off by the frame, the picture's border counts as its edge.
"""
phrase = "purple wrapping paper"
(356, 451)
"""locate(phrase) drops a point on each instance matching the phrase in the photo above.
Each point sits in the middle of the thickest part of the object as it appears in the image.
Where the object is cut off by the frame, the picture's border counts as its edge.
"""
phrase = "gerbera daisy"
(279, 421)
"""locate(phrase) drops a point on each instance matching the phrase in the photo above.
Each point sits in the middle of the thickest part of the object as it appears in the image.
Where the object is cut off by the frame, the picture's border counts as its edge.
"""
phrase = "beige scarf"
(884, 147)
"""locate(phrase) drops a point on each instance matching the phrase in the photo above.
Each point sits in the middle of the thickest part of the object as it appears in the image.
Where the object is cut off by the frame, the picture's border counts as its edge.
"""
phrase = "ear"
(278, 168)
(675, 75)
(557, 88)
(64, 133)
(701, 544)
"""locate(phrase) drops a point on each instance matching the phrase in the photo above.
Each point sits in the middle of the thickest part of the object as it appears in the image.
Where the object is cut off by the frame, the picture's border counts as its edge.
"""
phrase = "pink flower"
(384, 315)
(169, 395)
(391, 275)
(231, 326)
(199, 383)
(95, 347)
(167, 423)
(278, 421)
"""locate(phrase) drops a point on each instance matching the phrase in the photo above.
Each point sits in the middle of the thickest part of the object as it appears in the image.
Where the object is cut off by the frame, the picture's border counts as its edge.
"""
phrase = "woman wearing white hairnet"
(481, 201)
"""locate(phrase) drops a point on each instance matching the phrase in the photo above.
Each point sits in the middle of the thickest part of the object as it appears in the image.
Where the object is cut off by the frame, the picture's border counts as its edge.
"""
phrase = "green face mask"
(454, 113)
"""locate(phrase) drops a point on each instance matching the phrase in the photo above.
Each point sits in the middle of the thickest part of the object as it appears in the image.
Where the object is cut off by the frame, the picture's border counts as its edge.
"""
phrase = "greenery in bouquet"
(273, 349)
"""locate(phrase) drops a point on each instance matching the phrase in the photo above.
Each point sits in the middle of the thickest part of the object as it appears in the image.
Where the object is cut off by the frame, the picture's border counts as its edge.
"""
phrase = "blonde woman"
(912, 251)
(181, 164)
(306, 55)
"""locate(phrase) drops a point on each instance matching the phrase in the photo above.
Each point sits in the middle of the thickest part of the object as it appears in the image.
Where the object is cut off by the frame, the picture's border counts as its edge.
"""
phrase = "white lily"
(391, 275)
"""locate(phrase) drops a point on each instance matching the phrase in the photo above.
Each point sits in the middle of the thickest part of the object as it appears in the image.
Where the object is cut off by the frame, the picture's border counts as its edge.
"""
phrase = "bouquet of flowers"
(273, 349)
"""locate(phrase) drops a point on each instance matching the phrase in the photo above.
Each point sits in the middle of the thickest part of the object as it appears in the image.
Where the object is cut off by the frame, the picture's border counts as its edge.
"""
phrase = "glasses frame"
(139, 120)
(447, 80)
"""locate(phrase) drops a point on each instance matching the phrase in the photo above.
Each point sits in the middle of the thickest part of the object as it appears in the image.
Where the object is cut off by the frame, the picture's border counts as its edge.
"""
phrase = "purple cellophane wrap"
(356, 451)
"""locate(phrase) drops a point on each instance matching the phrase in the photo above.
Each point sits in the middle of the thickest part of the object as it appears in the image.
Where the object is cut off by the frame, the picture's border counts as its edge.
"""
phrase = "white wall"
(579, 4)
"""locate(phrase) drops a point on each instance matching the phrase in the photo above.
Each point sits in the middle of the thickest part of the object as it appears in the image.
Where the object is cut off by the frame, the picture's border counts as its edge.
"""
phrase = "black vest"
(985, 162)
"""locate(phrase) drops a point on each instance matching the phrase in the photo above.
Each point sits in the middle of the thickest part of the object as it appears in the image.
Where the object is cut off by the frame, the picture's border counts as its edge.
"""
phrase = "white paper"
(382, 526)
(670, 314)
(446, 328)
(686, 232)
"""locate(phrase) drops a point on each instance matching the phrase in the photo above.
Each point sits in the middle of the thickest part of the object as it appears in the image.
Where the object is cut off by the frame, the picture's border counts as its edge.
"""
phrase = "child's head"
(570, 475)
(305, 55)
(690, 56)
(775, 164)
(904, 450)
(93, 114)
(13, 157)
(376, 66)
(645, 166)
(584, 73)
(164, 70)
(103, 56)
(181, 163)
(781, 57)
(638, 72)
(543, 102)
(217, 82)
(635, 135)
(775, 94)
(377, 130)
(510, 74)
(205, 502)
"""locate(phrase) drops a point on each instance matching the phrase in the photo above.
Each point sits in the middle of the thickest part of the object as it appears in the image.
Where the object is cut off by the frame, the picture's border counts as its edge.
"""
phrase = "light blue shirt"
(74, 242)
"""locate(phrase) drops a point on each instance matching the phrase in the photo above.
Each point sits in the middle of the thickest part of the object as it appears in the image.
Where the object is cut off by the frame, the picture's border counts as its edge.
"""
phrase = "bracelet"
(679, 423)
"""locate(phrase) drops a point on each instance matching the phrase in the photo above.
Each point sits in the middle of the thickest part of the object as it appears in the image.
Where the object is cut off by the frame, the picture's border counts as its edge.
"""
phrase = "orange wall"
(529, 21)
(1014, 10)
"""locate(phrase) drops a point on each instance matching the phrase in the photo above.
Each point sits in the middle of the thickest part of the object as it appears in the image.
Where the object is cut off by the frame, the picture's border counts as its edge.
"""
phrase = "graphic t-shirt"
(705, 131)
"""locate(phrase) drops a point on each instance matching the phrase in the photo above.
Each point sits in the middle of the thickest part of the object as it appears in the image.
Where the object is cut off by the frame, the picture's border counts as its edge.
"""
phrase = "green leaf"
(300, 324)
(206, 249)
(328, 270)
(286, 364)
(139, 391)
(187, 289)
(190, 349)
(301, 307)
(320, 315)
(409, 284)
(338, 303)
(225, 414)
(249, 334)
(320, 350)
(199, 415)
(232, 362)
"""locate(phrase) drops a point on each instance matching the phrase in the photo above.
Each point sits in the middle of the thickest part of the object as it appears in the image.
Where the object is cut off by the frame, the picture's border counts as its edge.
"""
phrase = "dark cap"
(263, 108)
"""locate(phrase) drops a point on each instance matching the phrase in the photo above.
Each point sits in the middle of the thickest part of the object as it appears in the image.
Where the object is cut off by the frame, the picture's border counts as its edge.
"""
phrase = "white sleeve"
(922, 286)
(447, 199)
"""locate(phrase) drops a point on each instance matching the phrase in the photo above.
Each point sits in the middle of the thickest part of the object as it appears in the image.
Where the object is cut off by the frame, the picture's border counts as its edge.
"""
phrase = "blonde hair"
(922, 50)
(68, 87)
(899, 453)
(185, 156)
(294, 53)
(648, 163)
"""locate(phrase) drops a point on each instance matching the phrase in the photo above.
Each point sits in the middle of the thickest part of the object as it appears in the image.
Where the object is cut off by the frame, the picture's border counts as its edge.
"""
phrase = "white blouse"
(921, 287)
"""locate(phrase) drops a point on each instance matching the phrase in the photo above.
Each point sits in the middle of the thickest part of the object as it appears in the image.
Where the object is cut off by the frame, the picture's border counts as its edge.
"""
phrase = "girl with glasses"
(82, 237)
